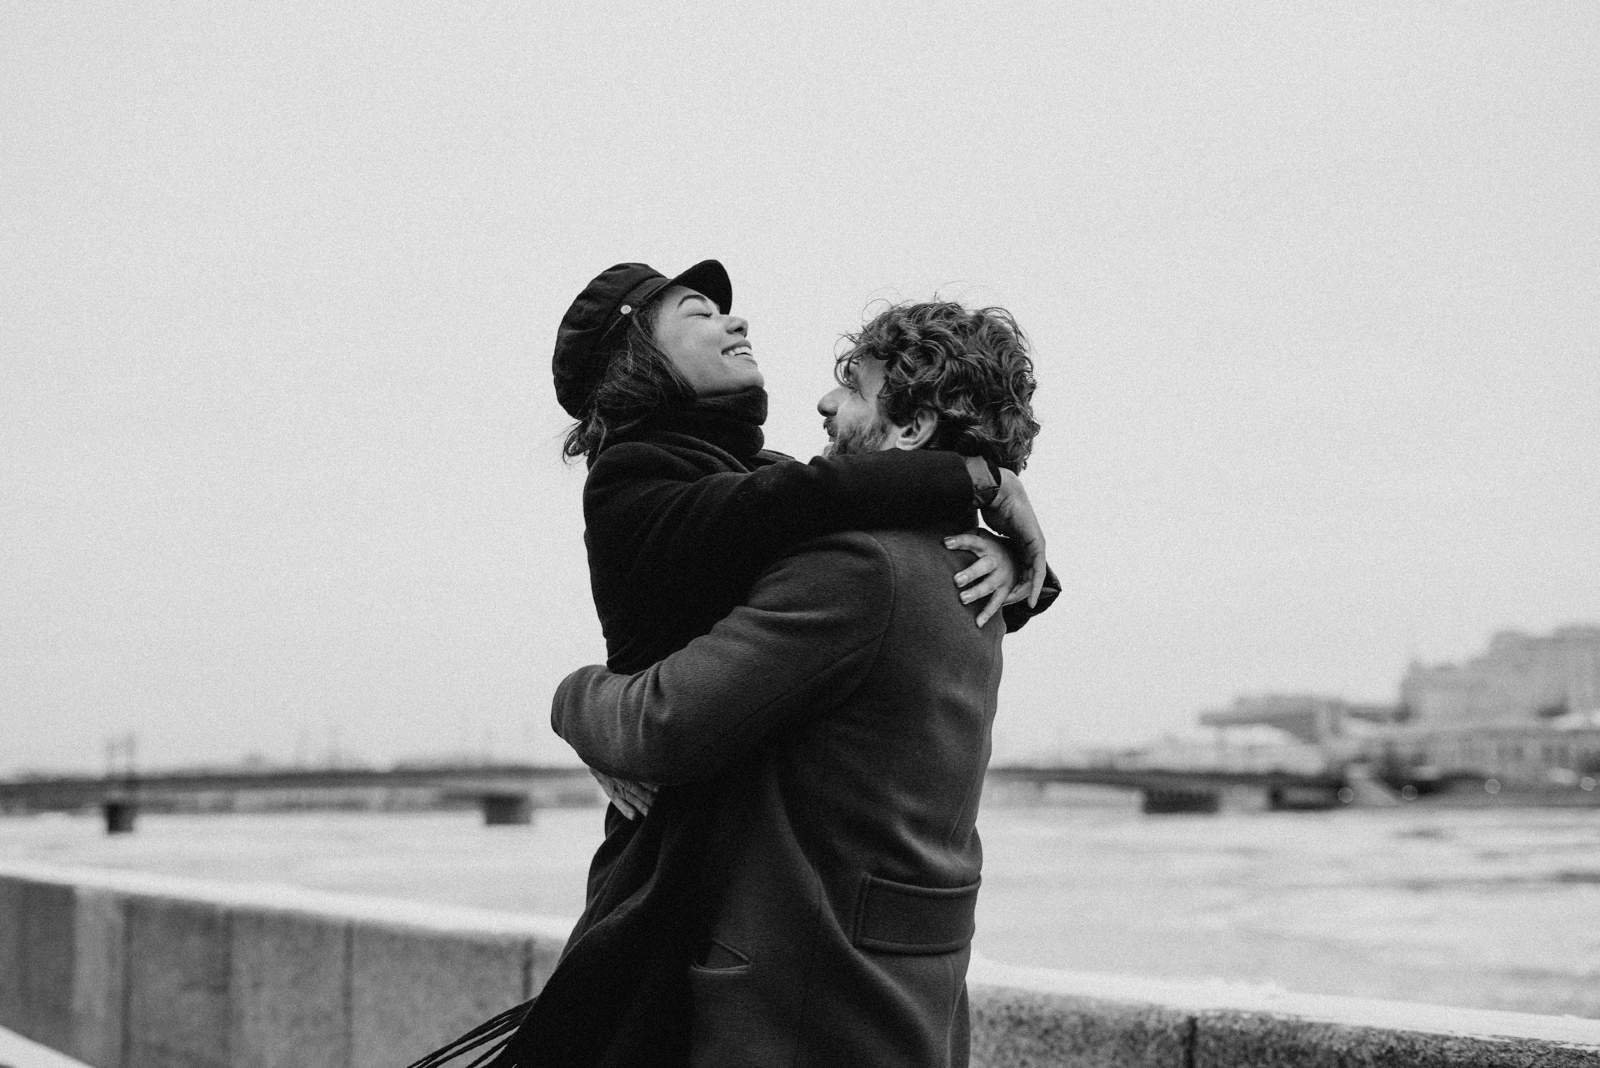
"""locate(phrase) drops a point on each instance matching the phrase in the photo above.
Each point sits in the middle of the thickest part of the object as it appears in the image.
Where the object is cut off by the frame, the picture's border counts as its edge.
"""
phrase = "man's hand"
(633, 799)
(1011, 514)
(995, 568)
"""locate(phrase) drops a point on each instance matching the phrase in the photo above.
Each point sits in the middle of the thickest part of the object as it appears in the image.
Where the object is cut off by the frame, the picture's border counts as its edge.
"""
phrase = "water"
(1494, 908)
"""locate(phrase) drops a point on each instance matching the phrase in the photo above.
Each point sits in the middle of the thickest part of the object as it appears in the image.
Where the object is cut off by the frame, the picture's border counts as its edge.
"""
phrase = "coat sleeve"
(1017, 615)
(671, 514)
(806, 639)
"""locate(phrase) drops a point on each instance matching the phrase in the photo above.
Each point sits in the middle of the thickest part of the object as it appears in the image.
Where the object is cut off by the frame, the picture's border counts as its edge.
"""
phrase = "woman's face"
(710, 350)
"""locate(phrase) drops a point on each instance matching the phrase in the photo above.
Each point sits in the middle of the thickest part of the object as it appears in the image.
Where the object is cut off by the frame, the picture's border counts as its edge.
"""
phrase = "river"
(1487, 907)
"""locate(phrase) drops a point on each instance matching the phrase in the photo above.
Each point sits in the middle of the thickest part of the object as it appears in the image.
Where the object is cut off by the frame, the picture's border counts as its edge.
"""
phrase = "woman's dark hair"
(639, 380)
(969, 368)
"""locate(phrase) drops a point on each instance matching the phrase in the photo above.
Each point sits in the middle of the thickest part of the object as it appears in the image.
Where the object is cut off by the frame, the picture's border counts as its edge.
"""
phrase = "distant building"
(1520, 679)
(1311, 718)
(1562, 752)
(1526, 711)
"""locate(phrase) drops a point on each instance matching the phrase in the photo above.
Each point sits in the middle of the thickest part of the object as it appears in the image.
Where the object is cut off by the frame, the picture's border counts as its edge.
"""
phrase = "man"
(844, 713)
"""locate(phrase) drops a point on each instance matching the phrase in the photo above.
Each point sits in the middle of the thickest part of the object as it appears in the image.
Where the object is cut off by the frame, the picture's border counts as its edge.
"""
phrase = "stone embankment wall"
(129, 971)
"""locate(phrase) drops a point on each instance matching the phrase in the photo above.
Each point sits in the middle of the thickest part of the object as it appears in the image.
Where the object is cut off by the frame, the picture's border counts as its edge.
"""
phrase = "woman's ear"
(918, 432)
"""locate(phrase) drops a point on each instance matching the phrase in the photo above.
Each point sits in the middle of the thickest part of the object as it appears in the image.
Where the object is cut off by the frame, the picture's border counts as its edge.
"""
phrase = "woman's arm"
(669, 508)
(1001, 574)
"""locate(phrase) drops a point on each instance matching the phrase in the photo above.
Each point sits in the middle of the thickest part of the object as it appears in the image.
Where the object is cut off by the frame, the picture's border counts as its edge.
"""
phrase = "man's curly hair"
(970, 368)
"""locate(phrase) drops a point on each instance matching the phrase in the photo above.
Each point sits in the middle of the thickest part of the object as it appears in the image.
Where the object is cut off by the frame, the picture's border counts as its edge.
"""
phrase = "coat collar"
(731, 422)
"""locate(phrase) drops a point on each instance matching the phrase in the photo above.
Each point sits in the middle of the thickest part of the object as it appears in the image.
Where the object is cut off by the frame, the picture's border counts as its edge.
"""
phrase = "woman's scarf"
(730, 421)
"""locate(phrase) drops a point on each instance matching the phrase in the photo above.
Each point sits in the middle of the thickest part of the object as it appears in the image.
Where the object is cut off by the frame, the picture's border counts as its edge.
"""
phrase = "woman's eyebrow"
(693, 296)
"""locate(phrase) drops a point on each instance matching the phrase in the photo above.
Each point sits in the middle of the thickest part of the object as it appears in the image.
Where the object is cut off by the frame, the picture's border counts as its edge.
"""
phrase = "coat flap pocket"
(896, 917)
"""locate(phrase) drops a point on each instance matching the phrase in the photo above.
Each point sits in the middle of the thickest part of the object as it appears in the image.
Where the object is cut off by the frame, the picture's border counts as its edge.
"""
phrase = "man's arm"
(807, 638)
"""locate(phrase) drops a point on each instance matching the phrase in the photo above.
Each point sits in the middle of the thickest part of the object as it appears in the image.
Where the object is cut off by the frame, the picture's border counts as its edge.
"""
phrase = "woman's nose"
(738, 326)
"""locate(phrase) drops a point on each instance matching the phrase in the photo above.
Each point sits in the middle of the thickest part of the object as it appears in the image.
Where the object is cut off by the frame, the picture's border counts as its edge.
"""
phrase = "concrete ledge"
(48, 944)
(179, 968)
(1117, 1020)
(123, 971)
(413, 989)
(1245, 1040)
(1019, 1026)
(13, 917)
(286, 970)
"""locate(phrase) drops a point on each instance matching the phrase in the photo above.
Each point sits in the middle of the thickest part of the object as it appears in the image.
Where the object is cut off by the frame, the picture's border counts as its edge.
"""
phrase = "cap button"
(625, 309)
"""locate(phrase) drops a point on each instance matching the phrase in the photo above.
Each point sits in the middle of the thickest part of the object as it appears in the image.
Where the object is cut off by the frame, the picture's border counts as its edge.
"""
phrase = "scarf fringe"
(496, 1029)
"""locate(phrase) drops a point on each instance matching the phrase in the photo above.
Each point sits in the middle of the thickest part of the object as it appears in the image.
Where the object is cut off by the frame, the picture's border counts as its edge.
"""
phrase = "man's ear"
(918, 432)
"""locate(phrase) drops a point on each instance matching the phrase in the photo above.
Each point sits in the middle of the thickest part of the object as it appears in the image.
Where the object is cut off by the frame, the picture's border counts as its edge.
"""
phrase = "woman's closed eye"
(697, 305)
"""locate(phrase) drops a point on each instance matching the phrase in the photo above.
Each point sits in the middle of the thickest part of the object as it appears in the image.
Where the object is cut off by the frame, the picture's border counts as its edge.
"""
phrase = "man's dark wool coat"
(846, 711)
(682, 513)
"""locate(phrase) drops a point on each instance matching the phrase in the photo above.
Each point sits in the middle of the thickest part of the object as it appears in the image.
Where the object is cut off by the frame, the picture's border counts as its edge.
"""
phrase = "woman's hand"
(992, 575)
(1011, 514)
(633, 799)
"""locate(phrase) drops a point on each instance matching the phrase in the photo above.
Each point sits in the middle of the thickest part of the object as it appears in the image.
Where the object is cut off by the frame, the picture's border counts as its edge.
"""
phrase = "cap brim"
(708, 277)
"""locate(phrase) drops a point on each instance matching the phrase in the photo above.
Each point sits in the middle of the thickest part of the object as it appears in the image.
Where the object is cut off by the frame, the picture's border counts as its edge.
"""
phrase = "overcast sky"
(1314, 291)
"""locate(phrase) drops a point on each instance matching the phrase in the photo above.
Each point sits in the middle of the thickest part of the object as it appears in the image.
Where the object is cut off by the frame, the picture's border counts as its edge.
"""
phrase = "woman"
(683, 508)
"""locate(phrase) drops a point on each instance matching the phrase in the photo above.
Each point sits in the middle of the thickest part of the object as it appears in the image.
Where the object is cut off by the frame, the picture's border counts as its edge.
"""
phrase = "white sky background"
(1314, 292)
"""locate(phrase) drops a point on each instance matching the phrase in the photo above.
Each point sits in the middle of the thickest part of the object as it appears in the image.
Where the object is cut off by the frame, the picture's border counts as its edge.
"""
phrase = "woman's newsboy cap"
(583, 341)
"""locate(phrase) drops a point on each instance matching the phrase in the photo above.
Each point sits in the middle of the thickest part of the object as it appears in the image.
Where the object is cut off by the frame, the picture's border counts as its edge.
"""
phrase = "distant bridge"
(506, 791)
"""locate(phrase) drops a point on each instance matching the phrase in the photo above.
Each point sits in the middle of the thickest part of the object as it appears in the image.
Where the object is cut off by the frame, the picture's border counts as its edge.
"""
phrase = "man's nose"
(828, 406)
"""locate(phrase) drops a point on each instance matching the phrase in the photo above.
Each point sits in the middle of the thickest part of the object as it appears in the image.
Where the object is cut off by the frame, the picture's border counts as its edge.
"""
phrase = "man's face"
(850, 412)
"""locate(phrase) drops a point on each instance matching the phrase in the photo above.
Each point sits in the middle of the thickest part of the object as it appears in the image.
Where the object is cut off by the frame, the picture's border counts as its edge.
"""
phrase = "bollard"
(119, 815)
(508, 809)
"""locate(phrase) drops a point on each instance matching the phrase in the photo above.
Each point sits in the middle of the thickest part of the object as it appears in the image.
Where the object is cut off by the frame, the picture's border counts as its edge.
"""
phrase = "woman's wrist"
(985, 481)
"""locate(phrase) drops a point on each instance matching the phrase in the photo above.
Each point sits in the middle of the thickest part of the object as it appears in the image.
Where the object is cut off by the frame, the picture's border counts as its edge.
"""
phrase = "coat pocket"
(718, 957)
(896, 917)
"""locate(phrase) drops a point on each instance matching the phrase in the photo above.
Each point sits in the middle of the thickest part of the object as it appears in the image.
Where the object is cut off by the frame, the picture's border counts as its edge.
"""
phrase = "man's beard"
(853, 440)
